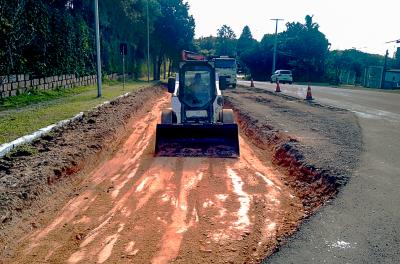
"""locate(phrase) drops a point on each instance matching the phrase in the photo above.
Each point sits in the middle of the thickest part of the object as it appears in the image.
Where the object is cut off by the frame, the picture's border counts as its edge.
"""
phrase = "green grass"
(28, 112)
(38, 96)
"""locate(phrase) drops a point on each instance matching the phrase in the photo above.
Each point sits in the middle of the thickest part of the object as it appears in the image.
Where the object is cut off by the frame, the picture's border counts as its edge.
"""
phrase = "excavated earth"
(93, 191)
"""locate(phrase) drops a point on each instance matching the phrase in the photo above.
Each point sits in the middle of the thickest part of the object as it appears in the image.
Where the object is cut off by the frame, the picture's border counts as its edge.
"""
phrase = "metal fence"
(374, 77)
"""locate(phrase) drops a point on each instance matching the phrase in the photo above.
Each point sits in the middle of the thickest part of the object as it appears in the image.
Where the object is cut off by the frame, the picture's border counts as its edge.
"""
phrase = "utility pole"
(276, 43)
(96, 11)
(148, 41)
(384, 70)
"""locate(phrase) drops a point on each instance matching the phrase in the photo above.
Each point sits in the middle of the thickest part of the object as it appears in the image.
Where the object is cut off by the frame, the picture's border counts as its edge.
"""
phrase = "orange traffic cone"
(309, 95)
(252, 83)
(278, 87)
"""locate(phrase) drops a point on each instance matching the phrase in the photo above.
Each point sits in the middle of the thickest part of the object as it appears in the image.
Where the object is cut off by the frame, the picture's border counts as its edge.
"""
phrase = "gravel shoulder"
(319, 145)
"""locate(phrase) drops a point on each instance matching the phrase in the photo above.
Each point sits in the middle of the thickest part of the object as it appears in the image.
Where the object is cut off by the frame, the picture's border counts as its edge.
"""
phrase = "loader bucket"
(220, 141)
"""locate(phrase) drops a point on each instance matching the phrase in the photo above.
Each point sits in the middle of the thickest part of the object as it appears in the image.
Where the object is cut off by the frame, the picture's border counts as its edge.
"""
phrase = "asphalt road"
(362, 225)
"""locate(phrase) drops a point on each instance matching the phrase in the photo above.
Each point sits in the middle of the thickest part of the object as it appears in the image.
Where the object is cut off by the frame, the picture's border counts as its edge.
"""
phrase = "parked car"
(284, 76)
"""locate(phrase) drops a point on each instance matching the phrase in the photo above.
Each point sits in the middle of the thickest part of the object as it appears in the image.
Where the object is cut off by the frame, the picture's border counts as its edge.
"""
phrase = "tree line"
(302, 48)
(53, 37)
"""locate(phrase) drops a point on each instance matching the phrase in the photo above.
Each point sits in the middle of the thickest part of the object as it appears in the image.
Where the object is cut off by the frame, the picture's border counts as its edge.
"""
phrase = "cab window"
(197, 91)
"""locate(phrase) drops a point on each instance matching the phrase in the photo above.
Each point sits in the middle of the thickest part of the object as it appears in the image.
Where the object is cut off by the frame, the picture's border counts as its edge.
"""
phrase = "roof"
(394, 70)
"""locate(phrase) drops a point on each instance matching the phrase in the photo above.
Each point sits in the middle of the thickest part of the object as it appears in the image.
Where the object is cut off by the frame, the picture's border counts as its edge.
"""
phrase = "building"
(392, 79)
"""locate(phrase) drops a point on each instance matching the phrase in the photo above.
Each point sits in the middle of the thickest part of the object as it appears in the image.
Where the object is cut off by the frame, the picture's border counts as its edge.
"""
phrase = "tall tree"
(226, 41)
(246, 41)
(245, 44)
(174, 30)
(306, 49)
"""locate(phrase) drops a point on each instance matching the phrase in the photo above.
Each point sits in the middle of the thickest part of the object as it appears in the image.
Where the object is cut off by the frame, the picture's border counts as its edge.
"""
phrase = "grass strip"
(28, 112)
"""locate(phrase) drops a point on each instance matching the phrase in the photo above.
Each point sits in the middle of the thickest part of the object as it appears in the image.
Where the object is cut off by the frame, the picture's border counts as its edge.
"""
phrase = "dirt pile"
(318, 145)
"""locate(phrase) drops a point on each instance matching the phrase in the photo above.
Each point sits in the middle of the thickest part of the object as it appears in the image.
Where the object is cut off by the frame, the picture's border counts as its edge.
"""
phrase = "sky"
(362, 24)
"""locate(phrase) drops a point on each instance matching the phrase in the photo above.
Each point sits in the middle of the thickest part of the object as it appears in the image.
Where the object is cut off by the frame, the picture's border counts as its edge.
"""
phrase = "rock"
(203, 249)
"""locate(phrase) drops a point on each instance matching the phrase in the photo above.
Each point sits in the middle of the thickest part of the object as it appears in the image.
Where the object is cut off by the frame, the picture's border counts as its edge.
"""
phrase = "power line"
(397, 41)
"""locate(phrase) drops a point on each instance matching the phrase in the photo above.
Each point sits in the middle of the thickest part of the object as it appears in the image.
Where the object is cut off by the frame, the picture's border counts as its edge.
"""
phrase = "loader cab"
(197, 86)
(197, 92)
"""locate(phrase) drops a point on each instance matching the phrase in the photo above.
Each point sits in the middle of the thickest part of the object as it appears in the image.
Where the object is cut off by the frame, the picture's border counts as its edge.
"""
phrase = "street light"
(96, 14)
(276, 43)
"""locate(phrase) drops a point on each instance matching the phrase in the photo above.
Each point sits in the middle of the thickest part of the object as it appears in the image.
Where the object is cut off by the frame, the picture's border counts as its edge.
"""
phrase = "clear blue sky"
(362, 24)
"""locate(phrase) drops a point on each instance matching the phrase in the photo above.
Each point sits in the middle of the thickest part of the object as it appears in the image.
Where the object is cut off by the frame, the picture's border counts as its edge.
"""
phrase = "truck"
(197, 124)
(226, 67)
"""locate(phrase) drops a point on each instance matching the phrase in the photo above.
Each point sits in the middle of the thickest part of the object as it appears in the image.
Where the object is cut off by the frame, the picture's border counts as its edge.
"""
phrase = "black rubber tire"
(227, 116)
(167, 116)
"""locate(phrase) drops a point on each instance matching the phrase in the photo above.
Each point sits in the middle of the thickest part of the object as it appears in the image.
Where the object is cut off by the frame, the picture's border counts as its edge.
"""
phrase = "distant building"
(373, 77)
(392, 79)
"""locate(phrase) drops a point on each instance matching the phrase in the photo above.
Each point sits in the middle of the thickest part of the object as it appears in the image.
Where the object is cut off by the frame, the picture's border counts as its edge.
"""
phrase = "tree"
(206, 46)
(339, 61)
(174, 32)
(305, 49)
(246, 41)
(245, 44)
(397, 59)
(258, 59)
(44, 37)
(301, 48)
(226, 42)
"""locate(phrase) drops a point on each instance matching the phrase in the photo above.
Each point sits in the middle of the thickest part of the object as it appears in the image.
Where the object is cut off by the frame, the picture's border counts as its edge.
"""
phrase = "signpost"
(123, 49)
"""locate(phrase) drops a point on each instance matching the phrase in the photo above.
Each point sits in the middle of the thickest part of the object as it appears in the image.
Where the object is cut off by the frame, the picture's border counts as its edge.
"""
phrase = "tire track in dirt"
(137, 208)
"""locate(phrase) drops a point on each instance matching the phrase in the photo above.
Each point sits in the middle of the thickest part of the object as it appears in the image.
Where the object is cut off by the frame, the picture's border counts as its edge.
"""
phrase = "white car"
(283, 76)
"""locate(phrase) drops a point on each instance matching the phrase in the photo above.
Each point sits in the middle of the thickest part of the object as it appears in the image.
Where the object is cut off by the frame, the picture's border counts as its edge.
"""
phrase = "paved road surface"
(362, 225)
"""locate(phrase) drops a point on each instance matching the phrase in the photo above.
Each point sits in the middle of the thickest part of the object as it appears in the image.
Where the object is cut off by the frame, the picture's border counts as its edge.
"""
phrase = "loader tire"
(167, 116)
(227, 116)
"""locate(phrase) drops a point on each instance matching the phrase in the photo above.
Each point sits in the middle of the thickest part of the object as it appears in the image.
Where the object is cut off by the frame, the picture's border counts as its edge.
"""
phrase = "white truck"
(226, 68)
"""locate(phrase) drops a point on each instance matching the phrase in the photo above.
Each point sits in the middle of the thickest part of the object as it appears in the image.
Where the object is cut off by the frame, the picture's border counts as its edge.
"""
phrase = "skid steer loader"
(196, 124)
